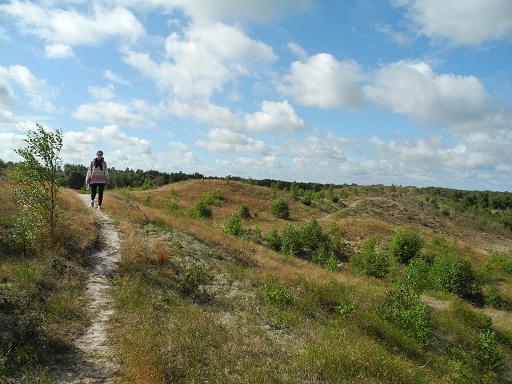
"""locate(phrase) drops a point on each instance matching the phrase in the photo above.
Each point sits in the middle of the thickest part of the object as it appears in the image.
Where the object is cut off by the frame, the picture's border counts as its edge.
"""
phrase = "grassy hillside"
(41, 288)
(211, 300)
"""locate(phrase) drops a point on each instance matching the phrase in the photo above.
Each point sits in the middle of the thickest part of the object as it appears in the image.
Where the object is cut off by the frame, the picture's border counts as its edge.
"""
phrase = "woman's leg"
(100, 194)
(94, 188)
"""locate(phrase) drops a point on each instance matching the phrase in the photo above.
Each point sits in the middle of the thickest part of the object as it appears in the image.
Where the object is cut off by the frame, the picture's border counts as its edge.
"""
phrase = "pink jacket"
(96, 175)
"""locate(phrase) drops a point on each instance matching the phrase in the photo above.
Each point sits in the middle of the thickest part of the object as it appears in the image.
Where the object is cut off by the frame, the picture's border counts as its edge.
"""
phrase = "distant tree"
(37, 178)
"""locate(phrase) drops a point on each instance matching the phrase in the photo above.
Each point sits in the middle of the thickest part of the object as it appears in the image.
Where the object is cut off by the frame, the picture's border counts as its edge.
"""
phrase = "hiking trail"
(93, 359)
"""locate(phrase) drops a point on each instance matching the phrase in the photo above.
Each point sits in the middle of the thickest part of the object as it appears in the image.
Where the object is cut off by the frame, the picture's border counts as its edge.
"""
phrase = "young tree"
(37, 177)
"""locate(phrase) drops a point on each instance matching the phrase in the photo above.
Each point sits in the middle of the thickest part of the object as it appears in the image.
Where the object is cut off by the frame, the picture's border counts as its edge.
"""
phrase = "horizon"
(402, 92)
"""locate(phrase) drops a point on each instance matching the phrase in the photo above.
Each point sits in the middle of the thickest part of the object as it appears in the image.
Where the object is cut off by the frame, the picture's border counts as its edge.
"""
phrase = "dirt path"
(93, 360)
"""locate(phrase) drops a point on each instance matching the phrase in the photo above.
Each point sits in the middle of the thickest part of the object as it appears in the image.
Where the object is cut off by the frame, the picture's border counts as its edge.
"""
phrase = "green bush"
(488, 353)
(415, 275)
(274, 240)
(191, 278)
(307, 198)
(493, 297)
(507, 265)
(279, 208)
(373, 262)
(291, 243)
(201, 210)
(243, 211)
(277, 293)
(233, 225)
(404, 309)
(454, 274)
(212, 198)
(341, 248)
(312, 235)
(325, 257)
(405, 244)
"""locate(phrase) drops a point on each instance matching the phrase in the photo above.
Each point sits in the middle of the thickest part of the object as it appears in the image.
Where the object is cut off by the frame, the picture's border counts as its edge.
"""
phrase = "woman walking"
(97, 178)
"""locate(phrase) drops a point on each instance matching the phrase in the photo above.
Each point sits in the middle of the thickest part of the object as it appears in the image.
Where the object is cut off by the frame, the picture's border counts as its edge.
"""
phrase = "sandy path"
(94, 361)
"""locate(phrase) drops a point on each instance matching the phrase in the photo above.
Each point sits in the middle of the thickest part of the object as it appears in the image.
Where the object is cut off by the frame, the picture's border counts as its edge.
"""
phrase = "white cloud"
(115, 78)
(202, 61)
(59, 51)
(6, 116)
(297, 50)
(71, 27)
(274, 116)
(207, 112)
(398, 37)
(223, 140)
(9, 141)
(105, 93)
(468, 22)
(39, 93)
(454, 101)
(328, 149)
(112, 113)
(323, 81)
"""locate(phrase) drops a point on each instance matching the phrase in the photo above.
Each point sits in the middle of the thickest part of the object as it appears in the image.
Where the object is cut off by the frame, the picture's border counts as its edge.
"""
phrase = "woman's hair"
(98, 162)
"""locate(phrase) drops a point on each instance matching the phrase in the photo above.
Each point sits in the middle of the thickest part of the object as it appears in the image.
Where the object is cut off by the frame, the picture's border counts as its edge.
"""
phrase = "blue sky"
(410, 92)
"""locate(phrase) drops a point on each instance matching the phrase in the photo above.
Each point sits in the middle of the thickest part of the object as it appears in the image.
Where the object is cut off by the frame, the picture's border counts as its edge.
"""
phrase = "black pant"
(94, 187)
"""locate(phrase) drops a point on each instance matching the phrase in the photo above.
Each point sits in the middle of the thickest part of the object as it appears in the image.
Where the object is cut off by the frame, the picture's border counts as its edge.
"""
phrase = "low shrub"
(291, 241)
(201, 210)
(274, 240)
(233, 225)
(404, 309)
(243, 211)
(326, 258)
(312, 235)
(454, 274)
(372, 261)
(280, 209)
(405, 244)
(191, 278)
(488, 353)
(416, 275)
(213, 198)
(277, 293)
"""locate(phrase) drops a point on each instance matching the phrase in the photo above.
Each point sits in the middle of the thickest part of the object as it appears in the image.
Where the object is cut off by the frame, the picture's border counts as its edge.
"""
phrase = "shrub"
(488, 353)
(279, 208)
(233, 225)
(243, 211)
(274, 240)
(405, 244)
(169, 202)
(404, 308)
(507, 265)
(341, 248)
(371, 261)
(492, 297)
(277, 293)
(312, 235)
(212, 198)
(325, 257)
(291, 243)
(191, 278)
(454, 274)
(307, 198)
(201, 210)
(415, 275)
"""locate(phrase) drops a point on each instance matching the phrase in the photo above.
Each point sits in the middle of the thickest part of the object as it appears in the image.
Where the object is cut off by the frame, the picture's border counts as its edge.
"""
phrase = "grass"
(42, 305)
(290, 318)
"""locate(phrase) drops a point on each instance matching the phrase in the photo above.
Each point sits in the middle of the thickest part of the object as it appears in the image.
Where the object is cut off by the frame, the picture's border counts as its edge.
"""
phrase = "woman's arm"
(106, 172)
(89, 174)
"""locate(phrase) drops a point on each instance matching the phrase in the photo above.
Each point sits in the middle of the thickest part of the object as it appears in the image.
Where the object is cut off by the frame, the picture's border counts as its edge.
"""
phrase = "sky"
(407, 92)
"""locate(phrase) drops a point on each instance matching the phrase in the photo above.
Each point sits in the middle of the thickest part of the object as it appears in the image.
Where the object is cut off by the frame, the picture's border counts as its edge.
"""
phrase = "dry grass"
(133, 247)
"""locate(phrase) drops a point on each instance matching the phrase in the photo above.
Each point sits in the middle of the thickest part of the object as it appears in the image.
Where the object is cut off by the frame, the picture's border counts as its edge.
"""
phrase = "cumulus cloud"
(223, 140)
(203, 60)
(105, 93)
(115, 78)
(36, 89)
(454, 101)
(274, 116)
(71, 27)
(112, 113)
(297, 50)
(323, 81)
(59, 51)
(461, 22)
